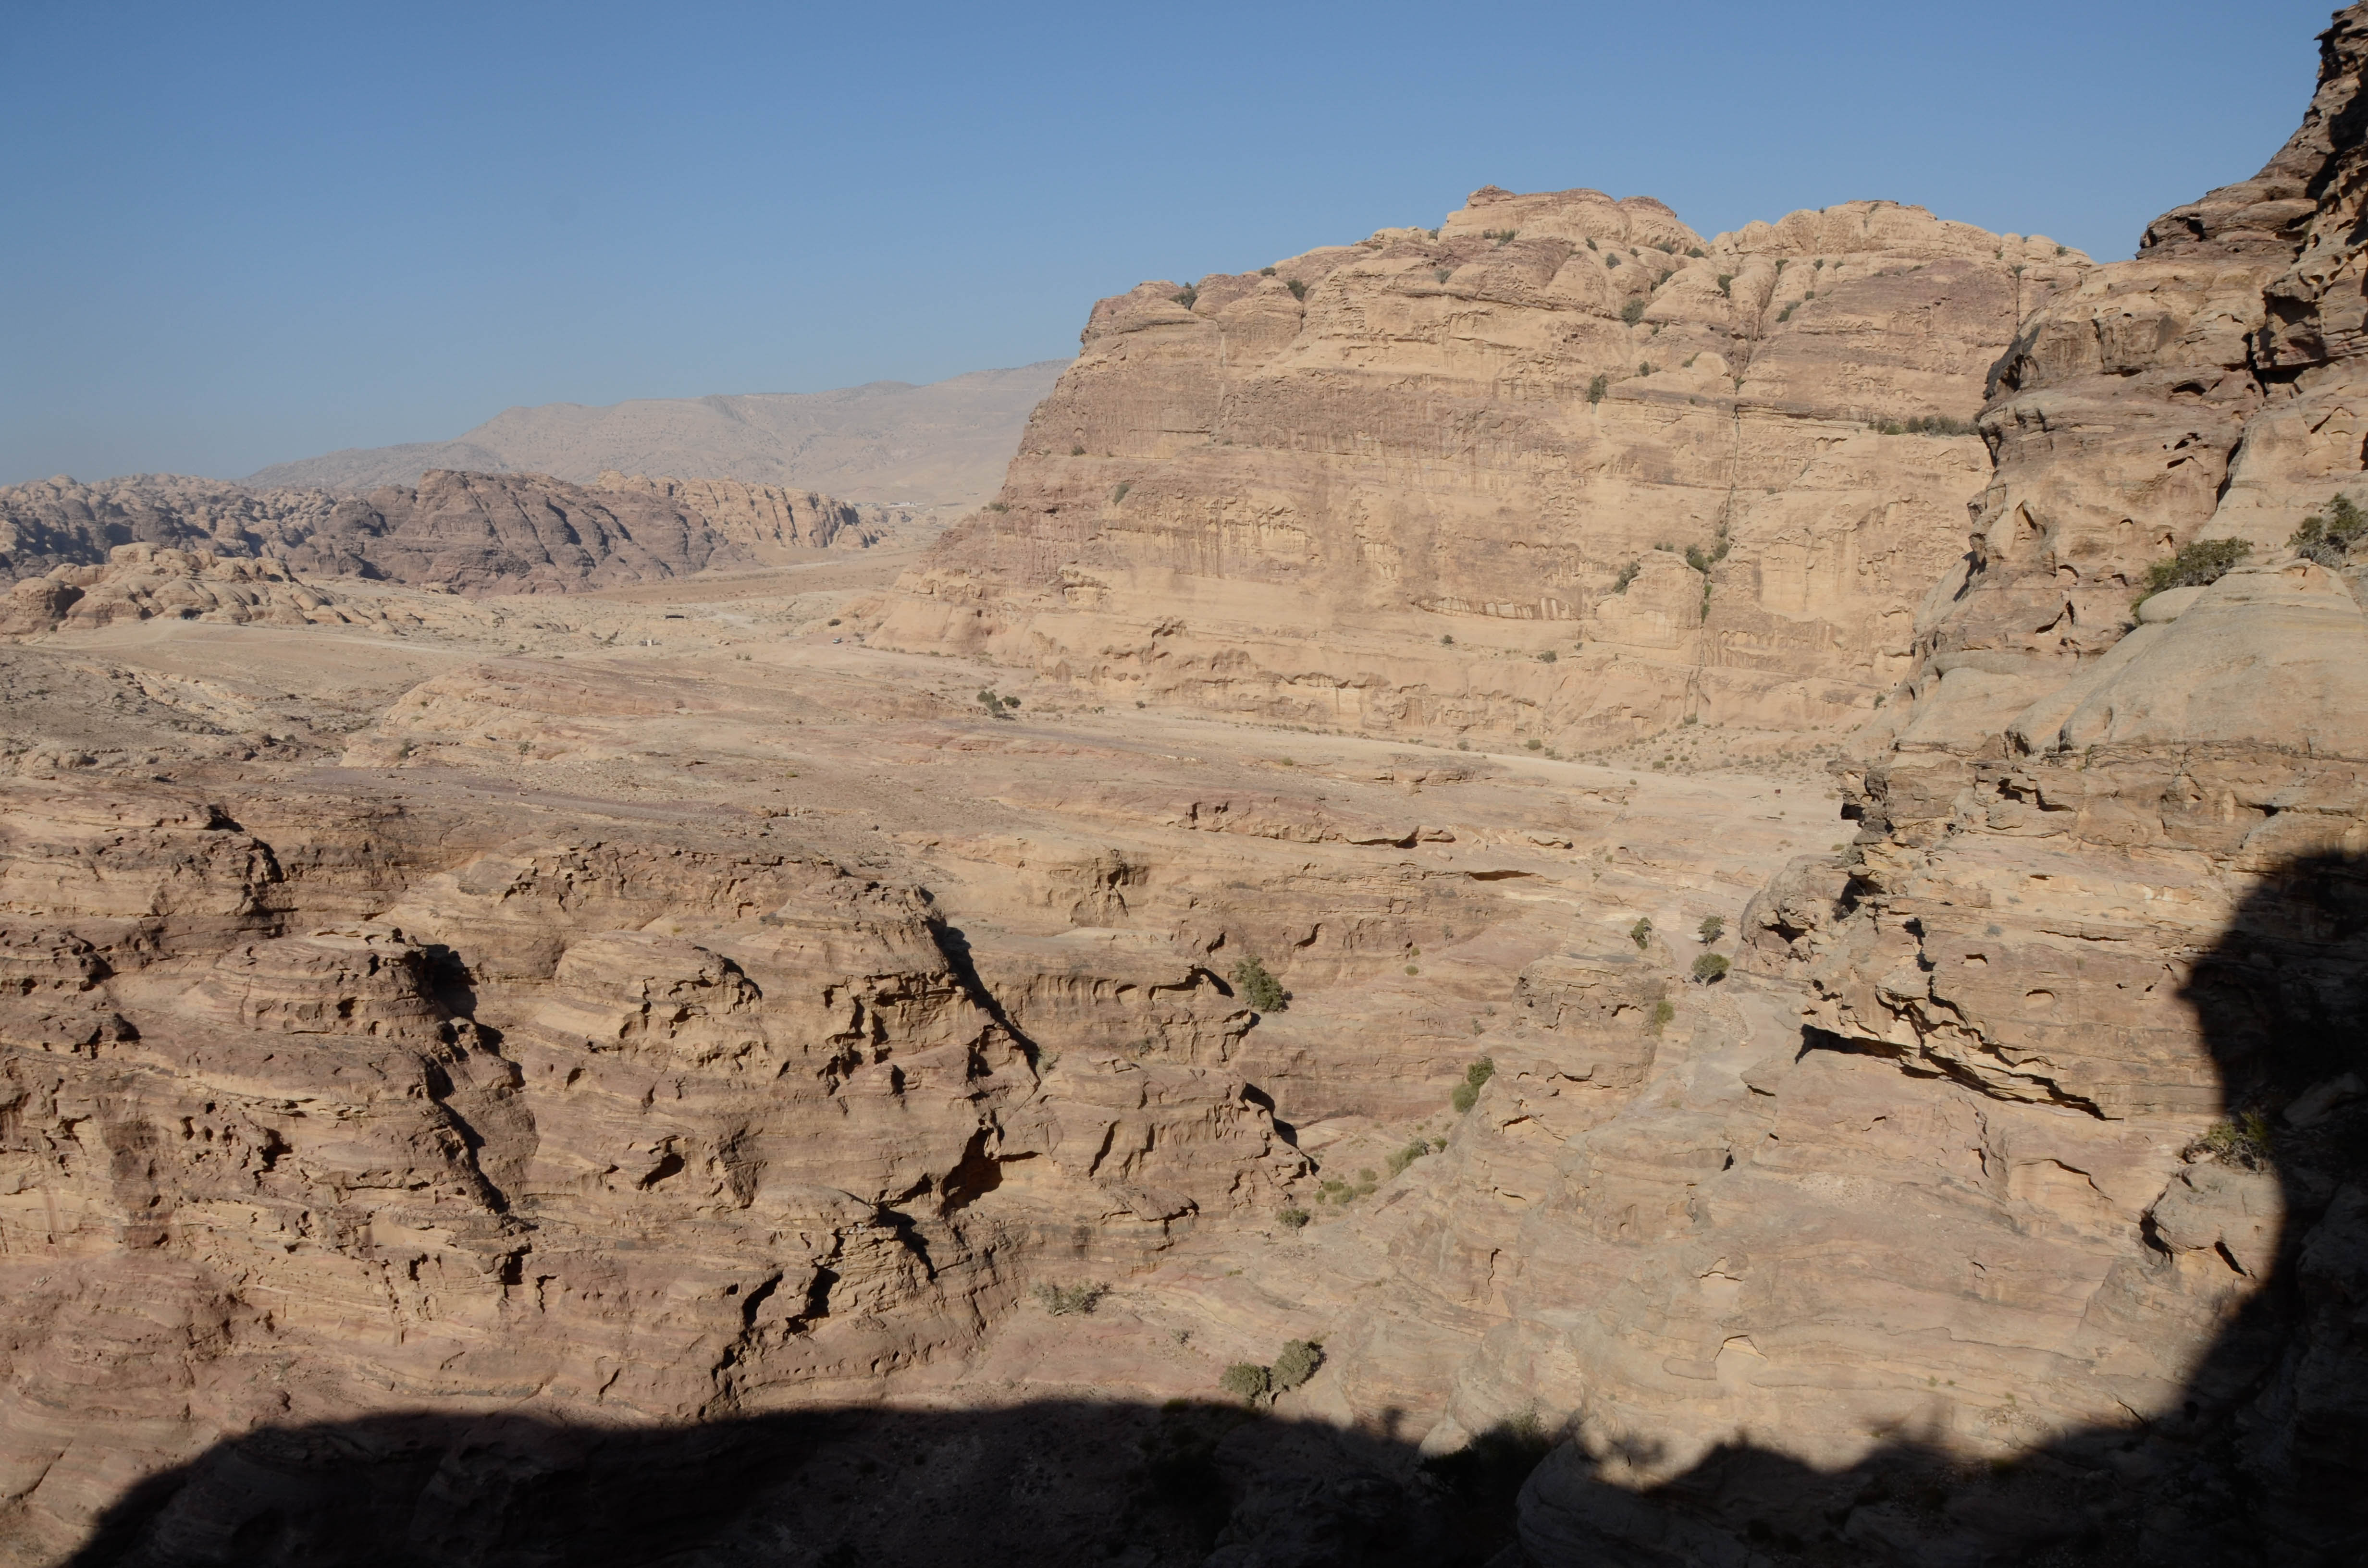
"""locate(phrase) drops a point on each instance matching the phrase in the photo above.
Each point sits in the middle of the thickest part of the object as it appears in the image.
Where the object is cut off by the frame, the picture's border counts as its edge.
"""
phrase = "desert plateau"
(1550, 891)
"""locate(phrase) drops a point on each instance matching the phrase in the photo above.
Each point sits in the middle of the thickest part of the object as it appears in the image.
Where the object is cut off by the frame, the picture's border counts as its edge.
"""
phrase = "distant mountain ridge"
(470, 533)
(942, 445)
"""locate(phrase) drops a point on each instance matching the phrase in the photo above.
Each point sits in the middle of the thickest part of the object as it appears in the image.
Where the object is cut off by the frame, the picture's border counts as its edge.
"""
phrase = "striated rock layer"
(1378, 486)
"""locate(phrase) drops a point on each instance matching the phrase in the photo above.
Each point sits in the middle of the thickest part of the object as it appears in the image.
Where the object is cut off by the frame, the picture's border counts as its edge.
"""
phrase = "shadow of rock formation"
(1043, 1484)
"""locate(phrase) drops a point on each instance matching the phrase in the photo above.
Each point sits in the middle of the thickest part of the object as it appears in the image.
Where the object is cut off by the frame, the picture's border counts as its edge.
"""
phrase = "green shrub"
(1294, 1217)
(1071, 1301)
(2328, 539)
(1247, 1382)
(1727, 284)
(1440, 275)
(1266, 272)
(1703, 559)
(2242, 1140)
(1077, 451)
(2198, 563)
(1120, 494)
(1664, 1011)
(1297, 1363)
(1786, 313)
(1645, 368)
(1597, 387)
(1641, 933)
(1712, 928)
(1445, 641)
(1467, 1093)
(1925, 425)
(1547, 657)
(1709, 969)
(1401, 1158)
(1533, 744)
(1633, 311)
(1627, 575)
(1696, 252)
(1502, 236)
(1259, 988)
(1298, 290)
(1609, 260)
(1186, 296)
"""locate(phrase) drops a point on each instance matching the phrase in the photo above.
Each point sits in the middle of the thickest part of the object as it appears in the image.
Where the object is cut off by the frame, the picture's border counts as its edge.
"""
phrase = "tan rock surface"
(695, 1014)
(1381, 505)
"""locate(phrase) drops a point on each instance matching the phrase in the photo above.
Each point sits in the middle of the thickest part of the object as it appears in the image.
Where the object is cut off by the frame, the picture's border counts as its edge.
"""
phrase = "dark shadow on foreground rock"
(2265, 1461)
(1043, 1484)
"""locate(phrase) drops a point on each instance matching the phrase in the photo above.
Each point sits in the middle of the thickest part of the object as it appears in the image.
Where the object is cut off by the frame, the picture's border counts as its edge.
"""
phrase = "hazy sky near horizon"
(244, 233)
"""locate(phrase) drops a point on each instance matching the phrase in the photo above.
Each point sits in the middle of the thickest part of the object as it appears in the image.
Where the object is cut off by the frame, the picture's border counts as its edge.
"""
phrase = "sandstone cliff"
(1377, 487)
(2065, 1175)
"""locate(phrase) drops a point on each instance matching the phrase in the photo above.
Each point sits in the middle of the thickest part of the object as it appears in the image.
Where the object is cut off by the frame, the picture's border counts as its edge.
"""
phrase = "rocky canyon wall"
(1378, 486)
(2062, 1182)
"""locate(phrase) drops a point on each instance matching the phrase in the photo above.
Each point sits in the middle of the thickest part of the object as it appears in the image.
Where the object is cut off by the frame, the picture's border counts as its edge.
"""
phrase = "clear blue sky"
(239, 234)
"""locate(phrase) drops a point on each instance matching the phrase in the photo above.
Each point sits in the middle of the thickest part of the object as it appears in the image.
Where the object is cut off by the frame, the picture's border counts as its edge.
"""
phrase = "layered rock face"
(689, 1022)
(755, 515)
(143, 580)
(466, 532)
(1374, 485)
(335, 1104)
(2065, 1175)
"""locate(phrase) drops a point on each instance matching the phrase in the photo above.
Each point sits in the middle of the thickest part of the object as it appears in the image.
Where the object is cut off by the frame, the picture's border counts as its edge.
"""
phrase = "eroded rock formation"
(1378, 485)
